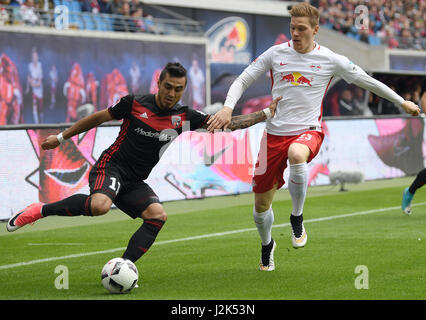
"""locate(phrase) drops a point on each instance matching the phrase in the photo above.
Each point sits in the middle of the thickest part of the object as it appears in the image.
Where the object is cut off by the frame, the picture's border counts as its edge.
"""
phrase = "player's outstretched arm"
(248, 120)
(80, 126)
(369, 83)
(222, 119)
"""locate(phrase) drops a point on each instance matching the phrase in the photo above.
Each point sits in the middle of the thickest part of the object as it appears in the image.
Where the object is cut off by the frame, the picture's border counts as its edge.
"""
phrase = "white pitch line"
(202, 236)
(56, 244)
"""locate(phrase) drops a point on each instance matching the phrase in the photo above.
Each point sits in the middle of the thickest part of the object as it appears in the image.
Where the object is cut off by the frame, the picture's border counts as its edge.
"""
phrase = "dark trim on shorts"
(109, 194)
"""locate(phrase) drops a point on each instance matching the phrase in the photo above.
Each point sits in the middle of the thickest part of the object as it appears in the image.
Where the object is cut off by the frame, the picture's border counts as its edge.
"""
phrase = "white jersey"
(135, 74)
(36, 74)
(197, 81)
(302, 80)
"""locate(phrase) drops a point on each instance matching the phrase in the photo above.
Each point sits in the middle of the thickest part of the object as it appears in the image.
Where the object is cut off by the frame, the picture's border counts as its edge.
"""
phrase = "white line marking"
(202, 236)
(56, 244)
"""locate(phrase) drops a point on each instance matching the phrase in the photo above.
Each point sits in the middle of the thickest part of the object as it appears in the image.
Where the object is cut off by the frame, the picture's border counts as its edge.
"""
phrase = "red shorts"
(273, 155)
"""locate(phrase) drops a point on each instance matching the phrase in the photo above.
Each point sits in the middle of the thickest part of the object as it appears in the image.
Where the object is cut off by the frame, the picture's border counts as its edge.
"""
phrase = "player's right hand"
(411, 108)
(220, 120)
(274, 104)
(51, 142)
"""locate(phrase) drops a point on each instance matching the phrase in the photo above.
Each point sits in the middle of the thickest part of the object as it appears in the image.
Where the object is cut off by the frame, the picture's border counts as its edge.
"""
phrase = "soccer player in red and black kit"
(150, 122)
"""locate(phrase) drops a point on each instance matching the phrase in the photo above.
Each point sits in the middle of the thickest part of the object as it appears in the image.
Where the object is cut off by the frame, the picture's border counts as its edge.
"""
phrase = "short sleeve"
(122, 108)
(197, 119)
(346, 69)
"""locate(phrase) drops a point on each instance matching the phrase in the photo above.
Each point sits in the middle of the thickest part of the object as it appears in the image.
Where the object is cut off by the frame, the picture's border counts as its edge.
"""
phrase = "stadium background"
(94, 51)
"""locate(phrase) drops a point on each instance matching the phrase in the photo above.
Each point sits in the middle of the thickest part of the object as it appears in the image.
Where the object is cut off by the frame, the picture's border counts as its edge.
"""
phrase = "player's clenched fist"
(50, 142)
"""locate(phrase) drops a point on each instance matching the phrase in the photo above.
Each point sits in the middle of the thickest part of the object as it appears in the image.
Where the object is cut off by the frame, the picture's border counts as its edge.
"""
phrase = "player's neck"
(157, 101)
(308, 49)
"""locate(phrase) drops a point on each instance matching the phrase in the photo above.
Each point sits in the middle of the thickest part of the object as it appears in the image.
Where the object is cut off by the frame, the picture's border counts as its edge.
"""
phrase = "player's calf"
(142, 239)
(76, 205)
(154, 218)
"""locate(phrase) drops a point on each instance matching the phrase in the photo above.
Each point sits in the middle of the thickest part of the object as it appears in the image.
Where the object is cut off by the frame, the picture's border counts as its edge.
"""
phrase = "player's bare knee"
(296, 157)
(298, 153)
(100, 205)
(162, 216)
(159, 214)
(261, 205)
(100, 209)
(155, 211)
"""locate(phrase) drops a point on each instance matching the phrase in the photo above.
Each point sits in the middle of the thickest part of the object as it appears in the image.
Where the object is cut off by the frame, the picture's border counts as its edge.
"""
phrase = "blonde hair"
(304, 9)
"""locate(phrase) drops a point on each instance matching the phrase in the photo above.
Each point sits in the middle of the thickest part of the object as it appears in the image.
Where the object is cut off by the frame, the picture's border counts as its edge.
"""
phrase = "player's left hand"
(220, 120)
(411, 108)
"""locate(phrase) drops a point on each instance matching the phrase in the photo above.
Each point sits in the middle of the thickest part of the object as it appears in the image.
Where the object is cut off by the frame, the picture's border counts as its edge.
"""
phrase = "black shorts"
(132, 197)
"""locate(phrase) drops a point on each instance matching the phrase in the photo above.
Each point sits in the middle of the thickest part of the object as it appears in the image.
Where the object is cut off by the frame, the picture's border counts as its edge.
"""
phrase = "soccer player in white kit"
(301, 71)
(197, 82)
(35, 80)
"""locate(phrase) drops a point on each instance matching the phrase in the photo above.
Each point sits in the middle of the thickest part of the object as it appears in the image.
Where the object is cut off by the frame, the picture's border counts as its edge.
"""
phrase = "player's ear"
(316, 29)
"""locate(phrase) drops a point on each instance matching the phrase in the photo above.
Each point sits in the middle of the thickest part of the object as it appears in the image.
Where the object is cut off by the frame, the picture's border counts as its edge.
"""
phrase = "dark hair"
(174, 69)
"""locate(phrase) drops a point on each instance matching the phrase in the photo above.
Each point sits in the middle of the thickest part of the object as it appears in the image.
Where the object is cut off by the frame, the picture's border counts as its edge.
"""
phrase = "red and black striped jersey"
(145, 132)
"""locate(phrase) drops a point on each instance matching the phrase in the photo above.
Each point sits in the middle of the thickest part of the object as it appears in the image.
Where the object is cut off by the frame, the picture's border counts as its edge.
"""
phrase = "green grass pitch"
(209, 249)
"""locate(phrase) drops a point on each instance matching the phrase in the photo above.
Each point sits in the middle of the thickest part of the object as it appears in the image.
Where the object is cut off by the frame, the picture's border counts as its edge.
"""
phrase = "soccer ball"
(119, 275)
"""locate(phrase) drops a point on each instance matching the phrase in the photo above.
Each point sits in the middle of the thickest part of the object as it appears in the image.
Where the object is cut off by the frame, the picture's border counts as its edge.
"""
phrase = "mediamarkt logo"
(161, 136)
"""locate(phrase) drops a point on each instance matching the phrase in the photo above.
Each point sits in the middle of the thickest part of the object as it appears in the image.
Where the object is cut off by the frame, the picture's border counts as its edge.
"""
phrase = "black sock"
(296, 223)
(143, 239)
(296, 219)
(418, 182)
(76, 205)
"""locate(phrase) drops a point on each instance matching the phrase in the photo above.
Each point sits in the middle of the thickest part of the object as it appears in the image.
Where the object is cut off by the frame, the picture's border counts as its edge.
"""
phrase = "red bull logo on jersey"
(297, 79)
(228, 41)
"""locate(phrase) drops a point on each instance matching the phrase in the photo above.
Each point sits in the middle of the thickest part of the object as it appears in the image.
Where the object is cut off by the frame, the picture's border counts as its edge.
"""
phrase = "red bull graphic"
(91, 90)
(281, 38)
(75, 92)
(228, 41)
(63, 171)
(10, 92)
(113, 87)
(153, 88)
(315, 67)
(296, 79)
(46, 61)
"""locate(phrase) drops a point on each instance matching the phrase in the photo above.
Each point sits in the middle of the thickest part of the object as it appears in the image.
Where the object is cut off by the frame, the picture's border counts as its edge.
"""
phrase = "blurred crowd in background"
(394, 23)
(34, 12)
